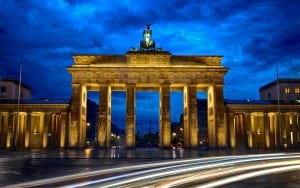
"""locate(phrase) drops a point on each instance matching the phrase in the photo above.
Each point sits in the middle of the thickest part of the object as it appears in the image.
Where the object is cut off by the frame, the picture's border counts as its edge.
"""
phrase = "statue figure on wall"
(147, 44)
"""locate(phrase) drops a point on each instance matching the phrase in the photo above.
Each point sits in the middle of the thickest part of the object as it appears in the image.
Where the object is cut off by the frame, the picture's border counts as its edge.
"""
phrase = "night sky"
(253, 36)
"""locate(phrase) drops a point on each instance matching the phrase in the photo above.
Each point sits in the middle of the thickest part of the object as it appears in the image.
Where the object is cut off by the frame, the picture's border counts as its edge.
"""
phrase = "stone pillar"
(285, 135)
(104, 120)
(83, 111)
(190, 128)
(280, 121)
(21, 130)
(272, 131)
(253, 130)
(297, 122)
(4, 129)
(54, 130)
(216, 120)
(232, 133)
(47, 133)
(130, 115)
(294, 130)
(10, 131)
(27, 130)
(249, 130)
(267, 130)
(77, 129)
(63, 125)
(165, 125)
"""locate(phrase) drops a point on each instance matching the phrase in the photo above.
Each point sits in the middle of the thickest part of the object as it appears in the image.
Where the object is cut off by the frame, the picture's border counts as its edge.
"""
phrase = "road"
(207, 171)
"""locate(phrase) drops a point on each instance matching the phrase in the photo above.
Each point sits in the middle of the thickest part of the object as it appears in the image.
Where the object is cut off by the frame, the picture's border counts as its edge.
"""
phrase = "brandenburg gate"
(148, 69)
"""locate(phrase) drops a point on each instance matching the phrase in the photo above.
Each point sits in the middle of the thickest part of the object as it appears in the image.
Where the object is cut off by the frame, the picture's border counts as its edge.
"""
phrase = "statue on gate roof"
(147, 44)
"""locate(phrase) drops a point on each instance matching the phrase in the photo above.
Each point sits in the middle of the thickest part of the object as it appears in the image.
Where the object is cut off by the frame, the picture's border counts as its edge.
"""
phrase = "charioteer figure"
(147, 44)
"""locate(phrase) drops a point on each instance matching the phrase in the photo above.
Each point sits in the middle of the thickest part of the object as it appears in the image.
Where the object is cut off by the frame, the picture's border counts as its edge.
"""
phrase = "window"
(269, 95)
(297, 90)
(3, 89)
(287, 90)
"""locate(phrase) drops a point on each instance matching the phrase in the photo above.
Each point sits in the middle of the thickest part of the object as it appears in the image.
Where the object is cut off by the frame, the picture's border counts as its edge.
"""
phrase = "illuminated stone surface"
(156, 71)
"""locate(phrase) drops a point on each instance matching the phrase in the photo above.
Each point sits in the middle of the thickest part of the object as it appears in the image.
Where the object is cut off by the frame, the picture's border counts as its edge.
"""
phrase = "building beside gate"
(34, 124)
(282, 89)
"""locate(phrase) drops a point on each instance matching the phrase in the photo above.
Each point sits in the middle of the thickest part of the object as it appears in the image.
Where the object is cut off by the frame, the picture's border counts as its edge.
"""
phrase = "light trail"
(120, 169)
(128, 180)
(122, 180)
(227, 171)
(251, 175)
(156, 170)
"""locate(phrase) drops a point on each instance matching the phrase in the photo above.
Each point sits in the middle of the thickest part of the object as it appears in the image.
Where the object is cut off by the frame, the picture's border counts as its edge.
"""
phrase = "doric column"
(130, 115)
(10, 131)
(56, 130)
(104, 120)
(267, 130)
(21, 130)
(216, 122)
(298, 129)
(249, 130)
(294, 130)
(286, 127)
(47, 132)
(165, 125)
(190, 116)
(63, 126)
(253, 130)
(77, 129)
(232, 133)
(272, 131)
(4, 129)
(28, 130)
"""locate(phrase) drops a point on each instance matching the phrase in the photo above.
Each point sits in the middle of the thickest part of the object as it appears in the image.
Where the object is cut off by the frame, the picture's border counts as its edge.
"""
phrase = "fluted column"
(27, 131)
(286, 135)
(294, 130)
(130, 115)
(104, 120)
(77, 129)
(165, 125)
(267, 130)
(297, 129)
(190, 116)
(4, 129)
(272, 131)
(21, 130)
(47, 132)
(253, 130)
(10, 131)
(232, 133)
(216, 121)
(249, 130)
(63, 127)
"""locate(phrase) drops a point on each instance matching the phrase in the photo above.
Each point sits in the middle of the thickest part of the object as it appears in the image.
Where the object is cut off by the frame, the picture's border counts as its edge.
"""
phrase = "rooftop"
(280, 81)
(15, 81)
(263, 102)
(35, 101)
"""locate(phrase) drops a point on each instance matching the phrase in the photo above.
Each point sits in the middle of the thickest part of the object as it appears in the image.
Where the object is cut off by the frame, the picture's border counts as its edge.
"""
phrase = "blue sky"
(253, 36)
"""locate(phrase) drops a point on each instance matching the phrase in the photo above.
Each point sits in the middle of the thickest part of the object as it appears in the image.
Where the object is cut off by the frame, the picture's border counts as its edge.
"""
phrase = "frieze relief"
(202, 60)
(98, 59)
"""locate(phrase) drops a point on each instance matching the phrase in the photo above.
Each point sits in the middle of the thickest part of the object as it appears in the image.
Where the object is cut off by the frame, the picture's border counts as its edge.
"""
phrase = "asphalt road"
(21, 168)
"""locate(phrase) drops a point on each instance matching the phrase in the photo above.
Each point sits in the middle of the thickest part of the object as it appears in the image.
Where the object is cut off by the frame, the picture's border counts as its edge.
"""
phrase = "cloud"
(252, 36)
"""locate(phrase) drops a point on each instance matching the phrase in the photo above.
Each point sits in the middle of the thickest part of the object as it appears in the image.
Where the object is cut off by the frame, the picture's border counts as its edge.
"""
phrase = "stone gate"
(148, 71)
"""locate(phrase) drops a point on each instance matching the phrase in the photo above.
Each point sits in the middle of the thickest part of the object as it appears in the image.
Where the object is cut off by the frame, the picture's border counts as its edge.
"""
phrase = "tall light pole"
(18, 111)
(278, 105)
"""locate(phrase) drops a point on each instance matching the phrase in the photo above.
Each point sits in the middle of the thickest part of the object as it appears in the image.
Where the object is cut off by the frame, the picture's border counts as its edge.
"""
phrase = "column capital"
(130, 85)
(76, 85)
(165, 84)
